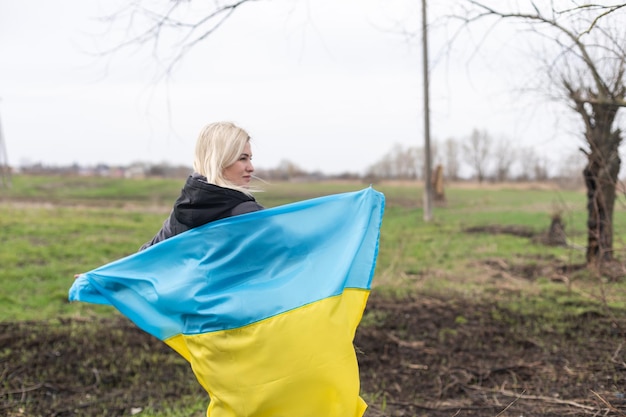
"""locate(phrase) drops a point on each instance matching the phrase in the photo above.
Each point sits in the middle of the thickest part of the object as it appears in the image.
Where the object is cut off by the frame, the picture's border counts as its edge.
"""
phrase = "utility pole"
(428, 186)
(5, 170)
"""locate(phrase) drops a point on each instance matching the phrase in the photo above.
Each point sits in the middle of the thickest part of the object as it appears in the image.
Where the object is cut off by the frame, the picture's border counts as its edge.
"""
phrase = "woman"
(219, 186)
(267, 319)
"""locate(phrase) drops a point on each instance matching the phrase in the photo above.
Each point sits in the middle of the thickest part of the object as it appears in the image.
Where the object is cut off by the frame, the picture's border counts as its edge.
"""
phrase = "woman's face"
(240, 173)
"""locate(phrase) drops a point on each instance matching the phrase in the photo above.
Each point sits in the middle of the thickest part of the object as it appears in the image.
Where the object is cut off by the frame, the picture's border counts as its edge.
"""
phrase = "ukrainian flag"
(264, 306)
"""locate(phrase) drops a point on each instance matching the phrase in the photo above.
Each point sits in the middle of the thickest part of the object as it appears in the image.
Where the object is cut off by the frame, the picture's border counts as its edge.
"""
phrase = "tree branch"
(603, 88)
(189, 33)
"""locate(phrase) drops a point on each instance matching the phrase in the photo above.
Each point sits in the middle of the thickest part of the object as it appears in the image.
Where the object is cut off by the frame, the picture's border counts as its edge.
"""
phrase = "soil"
(418, 357)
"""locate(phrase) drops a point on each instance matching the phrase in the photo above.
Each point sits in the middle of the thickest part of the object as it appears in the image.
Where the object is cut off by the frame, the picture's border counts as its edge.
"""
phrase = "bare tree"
(399, 163)
(588, 69)
(540, 168)
(404, 161)
(525, 157)
(504, 155)
(381, 169)
(568, 171)
(477, 150)
(533, 165)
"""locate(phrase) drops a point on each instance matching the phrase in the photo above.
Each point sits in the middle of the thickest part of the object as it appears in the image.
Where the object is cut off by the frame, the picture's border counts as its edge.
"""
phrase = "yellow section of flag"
(300, 363)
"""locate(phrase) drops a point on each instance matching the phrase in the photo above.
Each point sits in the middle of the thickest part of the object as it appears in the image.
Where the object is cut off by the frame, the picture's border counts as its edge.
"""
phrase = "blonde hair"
(219, 145)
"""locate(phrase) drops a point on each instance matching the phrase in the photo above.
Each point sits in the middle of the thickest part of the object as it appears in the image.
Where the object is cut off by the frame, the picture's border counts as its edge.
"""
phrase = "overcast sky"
(327, 84)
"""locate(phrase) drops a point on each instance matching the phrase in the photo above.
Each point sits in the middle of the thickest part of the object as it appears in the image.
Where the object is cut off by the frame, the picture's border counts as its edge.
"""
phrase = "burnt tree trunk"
(437, 180)
(556, 232)
(600, 174)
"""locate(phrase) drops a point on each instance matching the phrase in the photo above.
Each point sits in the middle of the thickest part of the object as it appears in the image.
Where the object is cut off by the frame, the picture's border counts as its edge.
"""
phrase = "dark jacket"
(200, 203)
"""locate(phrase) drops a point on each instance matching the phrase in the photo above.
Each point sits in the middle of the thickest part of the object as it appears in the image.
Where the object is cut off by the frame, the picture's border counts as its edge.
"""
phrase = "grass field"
(54, 227)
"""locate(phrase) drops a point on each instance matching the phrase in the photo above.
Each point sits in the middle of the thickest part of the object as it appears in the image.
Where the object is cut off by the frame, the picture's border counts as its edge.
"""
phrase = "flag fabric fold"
(264, 305)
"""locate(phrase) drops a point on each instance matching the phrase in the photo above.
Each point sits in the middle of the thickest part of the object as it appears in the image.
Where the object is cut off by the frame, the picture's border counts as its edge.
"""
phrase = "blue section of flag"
(244, 269)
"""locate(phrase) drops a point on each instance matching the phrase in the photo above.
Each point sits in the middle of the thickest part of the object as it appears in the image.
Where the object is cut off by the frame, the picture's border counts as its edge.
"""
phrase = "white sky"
(324, 84)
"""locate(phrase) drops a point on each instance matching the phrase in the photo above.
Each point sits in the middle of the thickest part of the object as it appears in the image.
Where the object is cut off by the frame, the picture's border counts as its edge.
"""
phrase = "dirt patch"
(435, 357)
(418, 357)
(495, 229)
(554, 236)
(529, 268)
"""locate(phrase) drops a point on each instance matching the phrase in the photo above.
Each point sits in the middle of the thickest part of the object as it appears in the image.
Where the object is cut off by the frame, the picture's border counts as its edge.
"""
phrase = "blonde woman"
(219, 185)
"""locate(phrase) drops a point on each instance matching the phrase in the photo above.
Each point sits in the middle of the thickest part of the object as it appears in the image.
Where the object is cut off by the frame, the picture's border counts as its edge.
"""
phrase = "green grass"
(54, 227)
(77, 189)
(186, 407)
(43, 247)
